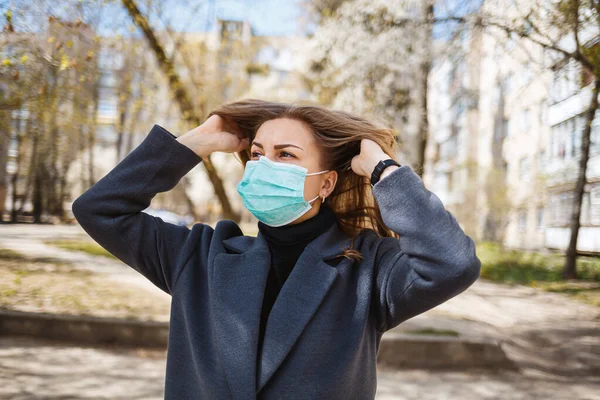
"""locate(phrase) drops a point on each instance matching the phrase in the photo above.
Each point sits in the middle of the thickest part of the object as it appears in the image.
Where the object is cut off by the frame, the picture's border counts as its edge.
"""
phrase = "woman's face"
(287, 140)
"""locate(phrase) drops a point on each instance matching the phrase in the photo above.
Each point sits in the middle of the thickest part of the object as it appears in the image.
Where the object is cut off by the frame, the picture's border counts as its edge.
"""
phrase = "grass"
(432, 331)
(540, 270)
(86, 246)
(14, 256)
(515, 266)
(36, 286)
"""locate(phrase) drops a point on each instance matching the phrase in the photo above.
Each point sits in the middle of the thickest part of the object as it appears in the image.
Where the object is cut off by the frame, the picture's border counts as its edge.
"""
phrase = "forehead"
(284, 130)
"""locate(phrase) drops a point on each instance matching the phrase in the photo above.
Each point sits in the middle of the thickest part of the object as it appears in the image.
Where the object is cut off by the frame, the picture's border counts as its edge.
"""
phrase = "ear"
(329, 183)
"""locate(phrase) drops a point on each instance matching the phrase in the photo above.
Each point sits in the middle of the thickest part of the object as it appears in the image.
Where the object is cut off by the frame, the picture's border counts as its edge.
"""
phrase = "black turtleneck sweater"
(286, 243)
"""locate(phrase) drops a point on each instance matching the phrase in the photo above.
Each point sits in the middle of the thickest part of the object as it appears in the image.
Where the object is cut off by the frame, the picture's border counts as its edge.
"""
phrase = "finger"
(234, 128)
(354, 163)
(243, 144)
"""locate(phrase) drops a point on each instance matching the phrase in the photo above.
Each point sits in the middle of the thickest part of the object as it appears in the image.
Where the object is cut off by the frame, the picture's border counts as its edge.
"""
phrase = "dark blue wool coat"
(324, 330)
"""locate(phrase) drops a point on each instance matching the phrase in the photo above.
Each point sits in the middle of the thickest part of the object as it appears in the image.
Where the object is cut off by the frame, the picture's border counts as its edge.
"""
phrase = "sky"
(267, 17)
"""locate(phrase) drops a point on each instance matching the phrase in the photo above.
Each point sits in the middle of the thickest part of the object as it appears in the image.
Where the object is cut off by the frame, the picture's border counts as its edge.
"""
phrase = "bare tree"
(569, 30)
(182, 97)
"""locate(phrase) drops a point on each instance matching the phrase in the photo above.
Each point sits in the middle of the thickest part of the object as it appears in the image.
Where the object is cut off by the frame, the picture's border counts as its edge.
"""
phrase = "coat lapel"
(238, 286)
(237, 290)
(301, 294)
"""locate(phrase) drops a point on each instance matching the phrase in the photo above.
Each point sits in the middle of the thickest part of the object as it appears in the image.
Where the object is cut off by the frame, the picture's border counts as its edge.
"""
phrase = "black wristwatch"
(381, 165)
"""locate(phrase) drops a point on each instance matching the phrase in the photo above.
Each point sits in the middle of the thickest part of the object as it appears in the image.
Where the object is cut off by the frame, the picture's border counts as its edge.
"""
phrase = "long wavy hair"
(338, 135)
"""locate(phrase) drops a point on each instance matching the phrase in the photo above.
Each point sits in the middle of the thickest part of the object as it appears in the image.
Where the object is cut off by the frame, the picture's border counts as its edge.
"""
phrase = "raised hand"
(215, 134)
(370, 154)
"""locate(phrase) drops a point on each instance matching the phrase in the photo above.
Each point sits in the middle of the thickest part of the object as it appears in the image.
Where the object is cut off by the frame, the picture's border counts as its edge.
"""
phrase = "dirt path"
(547, 334)
(541, 331)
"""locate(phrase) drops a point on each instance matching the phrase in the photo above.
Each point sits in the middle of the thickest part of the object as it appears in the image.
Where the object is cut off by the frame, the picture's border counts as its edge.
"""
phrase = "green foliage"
(8, 254)
(81, 245)
(514, 266)
(433, 331)
(253, 68)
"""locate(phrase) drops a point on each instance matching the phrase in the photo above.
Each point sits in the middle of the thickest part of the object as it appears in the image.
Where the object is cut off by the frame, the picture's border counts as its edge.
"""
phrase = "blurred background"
(493, 104)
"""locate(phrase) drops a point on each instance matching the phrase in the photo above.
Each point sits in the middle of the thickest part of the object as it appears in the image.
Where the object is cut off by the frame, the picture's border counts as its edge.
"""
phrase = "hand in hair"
(215, 134)
(370, 154)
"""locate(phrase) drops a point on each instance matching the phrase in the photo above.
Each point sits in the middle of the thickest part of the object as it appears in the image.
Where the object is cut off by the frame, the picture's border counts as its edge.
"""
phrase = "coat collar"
(237, 289)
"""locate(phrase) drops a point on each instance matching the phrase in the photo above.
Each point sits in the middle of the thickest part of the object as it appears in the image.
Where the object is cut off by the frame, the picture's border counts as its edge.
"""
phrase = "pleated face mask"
(274, 192)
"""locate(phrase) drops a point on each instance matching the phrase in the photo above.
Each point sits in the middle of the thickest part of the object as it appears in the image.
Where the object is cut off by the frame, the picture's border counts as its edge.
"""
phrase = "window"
(107, 79)
(565, 138)
(543, 112)
(498, 131)
(496, 94)
(522, 220)
(508, 83)
(585, 209)
(595, 136)
(560, 208)
(541, 159)
(107, 102)
(524, 169)
(540, 217)
(595, 205)
(506, 126)
(566, 81)
(575, 126)
(525, 120)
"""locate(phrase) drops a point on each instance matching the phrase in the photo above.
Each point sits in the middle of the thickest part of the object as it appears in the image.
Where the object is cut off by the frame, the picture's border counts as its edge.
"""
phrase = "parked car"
(169, 216)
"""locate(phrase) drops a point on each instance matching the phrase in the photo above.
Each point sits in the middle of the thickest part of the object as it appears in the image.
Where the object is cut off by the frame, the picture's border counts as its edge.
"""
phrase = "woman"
(350, 244)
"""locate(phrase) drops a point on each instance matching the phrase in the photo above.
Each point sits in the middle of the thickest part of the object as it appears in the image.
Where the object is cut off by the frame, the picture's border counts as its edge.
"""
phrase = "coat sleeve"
(111, 210)
(431, 262)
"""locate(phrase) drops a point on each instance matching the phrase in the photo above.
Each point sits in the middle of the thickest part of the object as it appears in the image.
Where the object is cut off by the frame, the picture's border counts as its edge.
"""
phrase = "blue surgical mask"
(274, 192)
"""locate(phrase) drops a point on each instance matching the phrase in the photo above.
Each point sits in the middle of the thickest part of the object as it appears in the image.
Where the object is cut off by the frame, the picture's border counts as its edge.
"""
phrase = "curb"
(396, 350)
(85, 329)
(401, 351)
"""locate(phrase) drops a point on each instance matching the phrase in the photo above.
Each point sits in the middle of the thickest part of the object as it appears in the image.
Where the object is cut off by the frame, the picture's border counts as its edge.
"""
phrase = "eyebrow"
(278, 146)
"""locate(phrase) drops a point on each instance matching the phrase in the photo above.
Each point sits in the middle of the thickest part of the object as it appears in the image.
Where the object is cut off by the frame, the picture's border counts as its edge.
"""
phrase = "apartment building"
(452, 154)
(570, 97)
(526, 119)
(227, 63)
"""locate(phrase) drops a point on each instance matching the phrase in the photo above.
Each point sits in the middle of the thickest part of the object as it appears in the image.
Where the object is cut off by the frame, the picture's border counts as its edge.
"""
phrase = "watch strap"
(381, 165)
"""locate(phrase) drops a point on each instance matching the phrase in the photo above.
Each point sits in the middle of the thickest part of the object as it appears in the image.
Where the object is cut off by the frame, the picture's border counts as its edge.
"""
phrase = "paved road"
(44, 370)
(556, 342)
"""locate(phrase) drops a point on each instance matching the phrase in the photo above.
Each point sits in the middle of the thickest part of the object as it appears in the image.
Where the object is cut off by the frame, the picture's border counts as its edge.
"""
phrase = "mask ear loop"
(315, 173)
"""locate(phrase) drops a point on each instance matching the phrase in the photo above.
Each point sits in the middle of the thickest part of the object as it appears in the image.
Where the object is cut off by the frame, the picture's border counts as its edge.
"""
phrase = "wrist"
(388, 170)
(382, 169)
(374, 161)
(193, 140)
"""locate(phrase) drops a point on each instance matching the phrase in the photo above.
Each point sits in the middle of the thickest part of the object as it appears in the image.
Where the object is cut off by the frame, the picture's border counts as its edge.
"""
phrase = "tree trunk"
(32, 162)
(182, 97)
(5, 135)
(91, 137)
(570, 270)
(18, 162)
(121, 132)
(424, 75)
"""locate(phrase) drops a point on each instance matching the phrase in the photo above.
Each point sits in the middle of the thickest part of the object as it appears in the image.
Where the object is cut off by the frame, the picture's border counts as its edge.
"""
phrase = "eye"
(256, 154)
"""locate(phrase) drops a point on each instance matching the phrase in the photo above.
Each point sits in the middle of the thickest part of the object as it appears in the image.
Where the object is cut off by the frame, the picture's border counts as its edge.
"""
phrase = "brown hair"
(338, 135)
